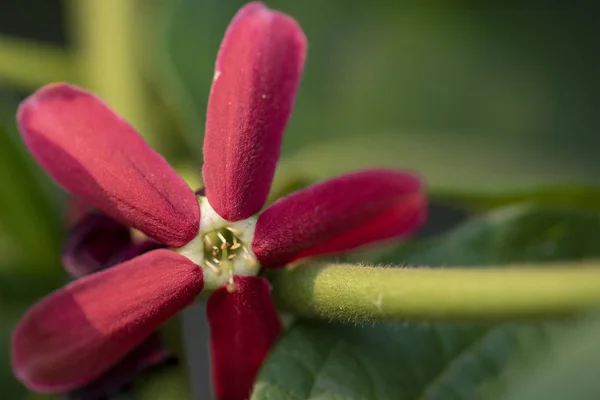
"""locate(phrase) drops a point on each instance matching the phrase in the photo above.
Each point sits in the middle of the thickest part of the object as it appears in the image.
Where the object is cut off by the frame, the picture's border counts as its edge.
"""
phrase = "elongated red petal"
(340, 214)
(243, 327)
(77, 333)
(97, 156)
(256, 76)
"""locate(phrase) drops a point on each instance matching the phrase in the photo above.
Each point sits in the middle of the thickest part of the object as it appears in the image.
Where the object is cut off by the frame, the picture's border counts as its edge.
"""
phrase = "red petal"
(97, 156)
(77, 333)
(340, 214)
(92, 243)
(257, 73)
(243, 327)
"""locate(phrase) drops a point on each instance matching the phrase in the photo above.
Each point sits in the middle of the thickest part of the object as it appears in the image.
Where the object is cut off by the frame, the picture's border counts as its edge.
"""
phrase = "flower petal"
(243, 327)
(97, 156)
(77, 333)
(340, 214)
(256, 77)
(149, 354)
(93, 241)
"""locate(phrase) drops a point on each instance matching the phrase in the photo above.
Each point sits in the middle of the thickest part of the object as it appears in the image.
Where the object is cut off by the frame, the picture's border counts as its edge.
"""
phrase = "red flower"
(218, 241)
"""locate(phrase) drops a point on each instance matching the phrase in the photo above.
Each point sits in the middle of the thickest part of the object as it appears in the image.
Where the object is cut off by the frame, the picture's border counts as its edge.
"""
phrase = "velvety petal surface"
(77, 333)
(243, 327)
(97, 156)
(340, 214)
(92, 242)
(148, 354)
(257, 73)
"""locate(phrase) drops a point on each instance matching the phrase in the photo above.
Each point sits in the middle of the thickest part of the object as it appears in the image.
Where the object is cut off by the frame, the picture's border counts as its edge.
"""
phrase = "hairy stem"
(357, 293)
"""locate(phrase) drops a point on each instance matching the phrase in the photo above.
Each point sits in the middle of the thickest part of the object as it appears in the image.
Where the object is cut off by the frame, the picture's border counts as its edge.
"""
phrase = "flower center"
(222, 248)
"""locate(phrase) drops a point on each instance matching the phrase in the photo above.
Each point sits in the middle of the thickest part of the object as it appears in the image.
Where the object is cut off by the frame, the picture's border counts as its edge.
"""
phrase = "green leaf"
(580, 196)
(380, 109)
(426, 361)
(318, 360)
(28, 215)
(11, 389)
(17, 292)
(469, 179)
(187, 36)
(293, 176)
(30, 236)
(11, 310)
(20, 285)
(515, 234)
(568, 369)
(167, 382)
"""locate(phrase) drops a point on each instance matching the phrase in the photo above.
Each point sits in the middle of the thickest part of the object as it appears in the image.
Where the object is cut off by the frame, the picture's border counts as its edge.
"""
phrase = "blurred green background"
(479, 97)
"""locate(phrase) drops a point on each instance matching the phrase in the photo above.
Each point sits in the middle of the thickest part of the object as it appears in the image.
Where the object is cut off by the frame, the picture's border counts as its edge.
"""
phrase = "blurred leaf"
(292, 175)
(447, 167)
(171, 334)
(515, 234)
(38, 396)
(27, 215)
(29, 244)
(287, 181)
(21, 60)
(20, 285)
(568, 369)
(575, 196)
(464, 113)
(168, 382)
(11, 389)
(17, 293)
(187, 35)
(324, 361)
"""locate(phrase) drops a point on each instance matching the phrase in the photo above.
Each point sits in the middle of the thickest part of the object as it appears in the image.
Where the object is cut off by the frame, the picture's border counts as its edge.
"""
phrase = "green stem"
(359, 293)
(22, 60)
(104, 33)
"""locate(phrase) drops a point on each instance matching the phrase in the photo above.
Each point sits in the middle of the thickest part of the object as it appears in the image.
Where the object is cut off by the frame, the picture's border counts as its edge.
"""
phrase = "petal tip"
(283, 27)
(26, 374)
(258, 70)
(47, 92)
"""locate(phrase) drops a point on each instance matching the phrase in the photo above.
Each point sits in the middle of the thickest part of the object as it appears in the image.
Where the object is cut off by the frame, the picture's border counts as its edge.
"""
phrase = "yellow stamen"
(224, 244)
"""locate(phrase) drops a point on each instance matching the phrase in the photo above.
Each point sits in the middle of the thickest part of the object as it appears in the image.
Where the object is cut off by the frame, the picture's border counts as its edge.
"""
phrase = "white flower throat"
(222, 248)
